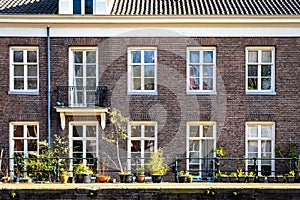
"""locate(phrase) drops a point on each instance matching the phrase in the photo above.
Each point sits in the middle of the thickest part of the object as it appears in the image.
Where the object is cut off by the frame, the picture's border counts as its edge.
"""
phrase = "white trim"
(67, 31)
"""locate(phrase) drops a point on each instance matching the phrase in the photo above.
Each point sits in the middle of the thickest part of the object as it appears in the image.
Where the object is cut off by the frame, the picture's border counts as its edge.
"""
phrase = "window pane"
(91, 82)
(194, 131)
(77, 131)
(194, 157)
(149, 71)
(19, 145)
(78, 70)
(88, 6)
(149, 83)
(91, 147)
(252, 56)
(18, 83)
(32, 145)
(90, 131)
(194, 57)
(265, 146)
(149, 131)
(137, 71)
(252, 84)
(91, 70)
(207, 148)
(18, 56)
(208, 71)
(77, 146)
(266, 70)
(208, 56)
(78, 57)
(135, 56)
(252, 146)
(137, 83)
(194, 145)
(149, 57)
(266, 83)
(207, 131)
(91, 57)
(207, 84)
(266, 131)
(77, 6)
(32, 83)
(266, 56)
(149, 146)
(19, 70)
(31, 131)
(31, 56)
(252, 70)
(32, 70)
(136, 146)
(18, 131)
(135, 131)
(253, 131)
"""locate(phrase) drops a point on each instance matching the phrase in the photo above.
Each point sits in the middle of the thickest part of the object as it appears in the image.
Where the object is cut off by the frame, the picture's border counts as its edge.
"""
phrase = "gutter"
(49, 86)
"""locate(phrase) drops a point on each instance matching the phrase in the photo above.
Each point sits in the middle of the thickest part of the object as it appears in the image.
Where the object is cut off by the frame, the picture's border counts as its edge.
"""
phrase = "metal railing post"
(176, 170)
(255, 166)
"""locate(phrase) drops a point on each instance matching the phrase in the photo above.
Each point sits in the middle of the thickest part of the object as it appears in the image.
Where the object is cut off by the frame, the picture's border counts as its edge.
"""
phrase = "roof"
(29, 6)
(206, 7)
(166, 7)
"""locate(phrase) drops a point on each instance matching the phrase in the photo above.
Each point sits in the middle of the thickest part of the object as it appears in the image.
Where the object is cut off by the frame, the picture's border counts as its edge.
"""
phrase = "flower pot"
(103, 179)
(261, 179)
(224, 179)
(126, 178)
(250, 179)
(232, 179)
(279, 179)
(140, 179)
(182, 179)
(271, 179)
(241, 179)
(157, 178)
(290, 179)
(189, 179)
(64, 178)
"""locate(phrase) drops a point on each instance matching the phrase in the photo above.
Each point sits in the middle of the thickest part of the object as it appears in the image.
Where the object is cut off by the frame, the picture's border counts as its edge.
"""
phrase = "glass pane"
(77, 146)
(149, 83)
(266, 146)
(266, 70)
(18, 56)
(250, 156)
(77, 6)
(194, 131)
(266, 131)
(79, 82)
(193, 84)
(252, 56)
(18, 131)
(194, 157)
(90, 131)
(91, 70)
(194, 145)
(266, 56)
(195, 77)
(32, 83)
(78, 70)
(136, 71)
(252, 70)
(78, 57)
(135, 146)
(208, 131)
(253, 131)
(135, 131)
(266, 83)
(135, 56)
(91, 146)
(149, 71)
(194, 57)
(79, 97)
(207, 148)
(252, 84)
(91, 57)
(91, 82)
(18, 83)
(32, 145)
(149, 131)
(149, 57)
(149, 146)
(32, 70)
(19, 145)
(253, 146)
(207, 84)
(208, 56)
(31, 56)
(18, 70)
(88, 6)
(266, 156)
(77, 131)
(208, 71)
(136, 83)
(31, 131)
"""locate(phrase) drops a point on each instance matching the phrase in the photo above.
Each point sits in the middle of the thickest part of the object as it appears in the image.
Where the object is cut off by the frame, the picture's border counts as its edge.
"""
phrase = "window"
(23, 141)
(201, 70)
(83, 142)
(260, 144)
(24, 70)
(83, 6)
(260, 72)
(201, 142)
(142, 67)
(142, 142)
(83, 76)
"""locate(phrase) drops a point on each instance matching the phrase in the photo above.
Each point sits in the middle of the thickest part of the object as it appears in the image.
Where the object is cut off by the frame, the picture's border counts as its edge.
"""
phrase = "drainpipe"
(49, 87)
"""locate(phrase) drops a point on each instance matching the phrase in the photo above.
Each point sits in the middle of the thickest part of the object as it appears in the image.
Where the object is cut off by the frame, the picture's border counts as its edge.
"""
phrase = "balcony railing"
(81, 96)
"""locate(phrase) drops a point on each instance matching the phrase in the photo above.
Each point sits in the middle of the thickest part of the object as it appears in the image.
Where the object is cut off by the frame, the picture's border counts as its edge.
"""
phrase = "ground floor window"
(83, 142)
(142, 142)
(201, 142)
(23, 141)
(260, 144)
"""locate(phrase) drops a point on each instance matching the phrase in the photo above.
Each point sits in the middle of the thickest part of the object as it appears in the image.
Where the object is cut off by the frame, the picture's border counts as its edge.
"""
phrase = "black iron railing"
(81, 96)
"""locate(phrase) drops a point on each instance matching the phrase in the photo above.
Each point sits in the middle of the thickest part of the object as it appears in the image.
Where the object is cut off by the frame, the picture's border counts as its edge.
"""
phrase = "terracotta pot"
(140, 178)
(64, 179)
(103, 179)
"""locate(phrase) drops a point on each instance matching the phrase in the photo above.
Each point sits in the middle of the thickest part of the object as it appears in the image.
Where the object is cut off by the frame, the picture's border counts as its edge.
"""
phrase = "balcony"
(81, 101)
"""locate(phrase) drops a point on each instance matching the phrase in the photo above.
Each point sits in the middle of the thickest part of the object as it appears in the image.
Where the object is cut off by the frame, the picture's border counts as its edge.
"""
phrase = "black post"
(255, 166)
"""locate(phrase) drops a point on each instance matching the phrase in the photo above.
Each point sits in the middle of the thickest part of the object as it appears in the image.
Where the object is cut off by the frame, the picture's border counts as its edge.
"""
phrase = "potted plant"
(140, 175)
(233, 177)
(241, 176)
(27, 179)
(101, 177)
(182, 176)
(250, 177)
(223, 177)
(157, 167)
(261, 178)
(83, 173)
(290, 178)
(190, 178)
(126, 177)
(64, 176)
(271, 179)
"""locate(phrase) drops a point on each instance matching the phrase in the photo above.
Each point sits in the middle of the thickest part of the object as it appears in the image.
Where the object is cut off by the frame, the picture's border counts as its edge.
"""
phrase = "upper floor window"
(201, 70)
(83, 6)
(142, 68)
(260, 70)
(24, 70)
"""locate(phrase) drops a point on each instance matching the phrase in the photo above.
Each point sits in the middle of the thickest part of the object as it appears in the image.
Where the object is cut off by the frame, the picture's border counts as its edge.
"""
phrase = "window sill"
(201, 93)
(24, 92)
(142, 93)
(260, 93)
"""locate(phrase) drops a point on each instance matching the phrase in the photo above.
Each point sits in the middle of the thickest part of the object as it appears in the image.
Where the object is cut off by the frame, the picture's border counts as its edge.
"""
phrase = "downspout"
(49, 86)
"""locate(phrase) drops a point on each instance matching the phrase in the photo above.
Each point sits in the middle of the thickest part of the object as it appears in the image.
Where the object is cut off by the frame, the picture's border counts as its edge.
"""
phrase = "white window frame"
(83, 7)
(72, 100)
(259, 64)
(259, 139)
(201, 138)
(12, 90)
(201, 64)
(83, 138)
(130, 71)
(25, 138)
(142, 138)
